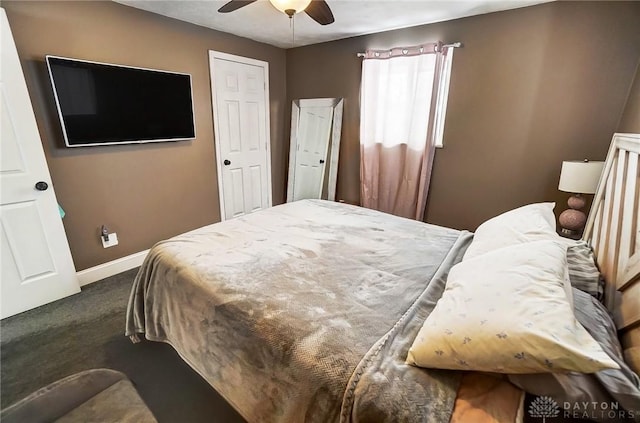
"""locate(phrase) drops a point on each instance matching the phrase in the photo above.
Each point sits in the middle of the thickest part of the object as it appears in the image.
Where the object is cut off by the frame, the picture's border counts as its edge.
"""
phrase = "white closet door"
(241, 123)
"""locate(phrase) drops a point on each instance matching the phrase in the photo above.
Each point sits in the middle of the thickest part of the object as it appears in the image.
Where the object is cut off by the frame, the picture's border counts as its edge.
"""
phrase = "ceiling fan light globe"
(285, 6)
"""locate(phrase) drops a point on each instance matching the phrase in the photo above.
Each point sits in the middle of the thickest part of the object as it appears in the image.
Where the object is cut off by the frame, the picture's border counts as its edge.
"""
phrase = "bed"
(307, 311)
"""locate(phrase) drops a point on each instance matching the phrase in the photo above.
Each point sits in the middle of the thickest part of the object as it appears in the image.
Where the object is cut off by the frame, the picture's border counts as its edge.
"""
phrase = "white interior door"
(314, 133)
(241, 124)
(37, 267)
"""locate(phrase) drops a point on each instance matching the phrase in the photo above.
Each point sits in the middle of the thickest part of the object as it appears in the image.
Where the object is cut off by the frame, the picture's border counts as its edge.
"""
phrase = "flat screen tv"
(100, 103)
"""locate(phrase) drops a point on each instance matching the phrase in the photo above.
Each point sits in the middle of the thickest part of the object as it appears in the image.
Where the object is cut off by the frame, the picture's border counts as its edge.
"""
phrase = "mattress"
(304, 311)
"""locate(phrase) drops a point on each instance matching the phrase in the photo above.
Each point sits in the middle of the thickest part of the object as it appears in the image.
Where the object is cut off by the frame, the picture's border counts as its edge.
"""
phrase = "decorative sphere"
(572, 219)
(576, 202)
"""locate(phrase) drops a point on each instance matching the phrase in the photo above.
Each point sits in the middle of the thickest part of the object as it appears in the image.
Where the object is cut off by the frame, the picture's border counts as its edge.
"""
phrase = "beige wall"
(531, 87)
(630, 121)
(145, 193)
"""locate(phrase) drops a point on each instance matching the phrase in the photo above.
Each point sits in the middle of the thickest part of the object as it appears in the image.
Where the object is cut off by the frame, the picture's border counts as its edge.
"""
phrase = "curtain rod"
(452, 45)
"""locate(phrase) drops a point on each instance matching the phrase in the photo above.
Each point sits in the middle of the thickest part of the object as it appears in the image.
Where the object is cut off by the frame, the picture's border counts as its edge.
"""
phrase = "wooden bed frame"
(613, 230)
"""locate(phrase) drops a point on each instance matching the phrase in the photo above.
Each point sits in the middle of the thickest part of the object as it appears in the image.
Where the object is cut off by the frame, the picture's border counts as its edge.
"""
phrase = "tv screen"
(101, 103)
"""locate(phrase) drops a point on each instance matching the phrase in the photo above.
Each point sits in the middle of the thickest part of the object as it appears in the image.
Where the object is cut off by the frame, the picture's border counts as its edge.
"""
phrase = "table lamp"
(577, 177)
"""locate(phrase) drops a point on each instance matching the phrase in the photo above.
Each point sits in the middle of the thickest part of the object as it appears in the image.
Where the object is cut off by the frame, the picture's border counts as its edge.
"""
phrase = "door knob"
(227, 162)
(42, 186)
(321, 161)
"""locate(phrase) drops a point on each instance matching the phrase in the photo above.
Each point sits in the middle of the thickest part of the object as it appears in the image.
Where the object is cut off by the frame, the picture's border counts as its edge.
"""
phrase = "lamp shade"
(295, 5)
(580, 177)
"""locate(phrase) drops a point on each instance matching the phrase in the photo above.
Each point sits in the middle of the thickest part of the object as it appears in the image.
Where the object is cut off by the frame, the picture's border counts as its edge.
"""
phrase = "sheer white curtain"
(397, 136)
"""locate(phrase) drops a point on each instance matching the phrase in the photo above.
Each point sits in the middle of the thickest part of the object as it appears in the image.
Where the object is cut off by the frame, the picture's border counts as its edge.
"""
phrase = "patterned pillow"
(532, 222)
(506, 311)
(583, 272)
(622, 385)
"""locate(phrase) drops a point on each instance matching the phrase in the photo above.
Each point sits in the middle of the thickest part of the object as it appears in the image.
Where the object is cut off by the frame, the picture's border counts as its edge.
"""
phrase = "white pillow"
(506, 311)
(528, 223)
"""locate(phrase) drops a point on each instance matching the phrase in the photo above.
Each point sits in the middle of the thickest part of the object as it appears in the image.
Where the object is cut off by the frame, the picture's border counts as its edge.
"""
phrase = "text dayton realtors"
(597, 410)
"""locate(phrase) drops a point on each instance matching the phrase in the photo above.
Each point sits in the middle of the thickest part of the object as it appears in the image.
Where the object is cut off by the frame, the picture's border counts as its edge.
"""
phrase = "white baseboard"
(104, 270)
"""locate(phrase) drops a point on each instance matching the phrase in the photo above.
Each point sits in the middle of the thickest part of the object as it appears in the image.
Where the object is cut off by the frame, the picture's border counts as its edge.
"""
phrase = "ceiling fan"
(318, 10)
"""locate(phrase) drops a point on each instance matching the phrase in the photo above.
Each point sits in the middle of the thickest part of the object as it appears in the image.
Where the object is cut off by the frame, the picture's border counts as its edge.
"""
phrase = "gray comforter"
(304, 312)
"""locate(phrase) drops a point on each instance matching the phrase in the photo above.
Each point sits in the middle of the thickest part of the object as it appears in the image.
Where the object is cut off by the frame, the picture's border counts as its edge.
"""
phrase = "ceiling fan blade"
(234, 5)
(320, 12)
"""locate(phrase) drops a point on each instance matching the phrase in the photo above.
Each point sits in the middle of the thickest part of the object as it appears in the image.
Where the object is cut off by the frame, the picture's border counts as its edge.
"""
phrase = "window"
(402, 114)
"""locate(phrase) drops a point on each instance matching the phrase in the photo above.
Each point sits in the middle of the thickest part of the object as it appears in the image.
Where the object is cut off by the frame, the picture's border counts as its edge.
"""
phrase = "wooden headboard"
(613, 230)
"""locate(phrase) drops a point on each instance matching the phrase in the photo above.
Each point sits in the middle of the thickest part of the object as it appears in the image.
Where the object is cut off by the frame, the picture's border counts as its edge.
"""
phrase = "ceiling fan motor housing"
(290, 7)
(317, 10)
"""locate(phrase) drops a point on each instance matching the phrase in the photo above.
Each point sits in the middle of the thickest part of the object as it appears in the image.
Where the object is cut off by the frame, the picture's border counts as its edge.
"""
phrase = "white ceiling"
(260, 21)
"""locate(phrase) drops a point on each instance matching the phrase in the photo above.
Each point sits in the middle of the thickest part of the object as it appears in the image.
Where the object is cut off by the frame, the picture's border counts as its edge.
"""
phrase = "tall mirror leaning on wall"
(316, 124)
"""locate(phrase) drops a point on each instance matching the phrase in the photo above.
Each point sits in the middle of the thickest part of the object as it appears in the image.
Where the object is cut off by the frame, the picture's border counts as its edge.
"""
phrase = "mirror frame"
(334, 146)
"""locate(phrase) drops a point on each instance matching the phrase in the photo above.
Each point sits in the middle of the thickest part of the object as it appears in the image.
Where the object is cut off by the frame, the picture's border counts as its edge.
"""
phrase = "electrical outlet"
(113, 240)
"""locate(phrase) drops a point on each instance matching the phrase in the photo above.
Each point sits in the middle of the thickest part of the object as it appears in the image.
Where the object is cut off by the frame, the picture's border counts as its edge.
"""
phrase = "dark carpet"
(86, 331)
